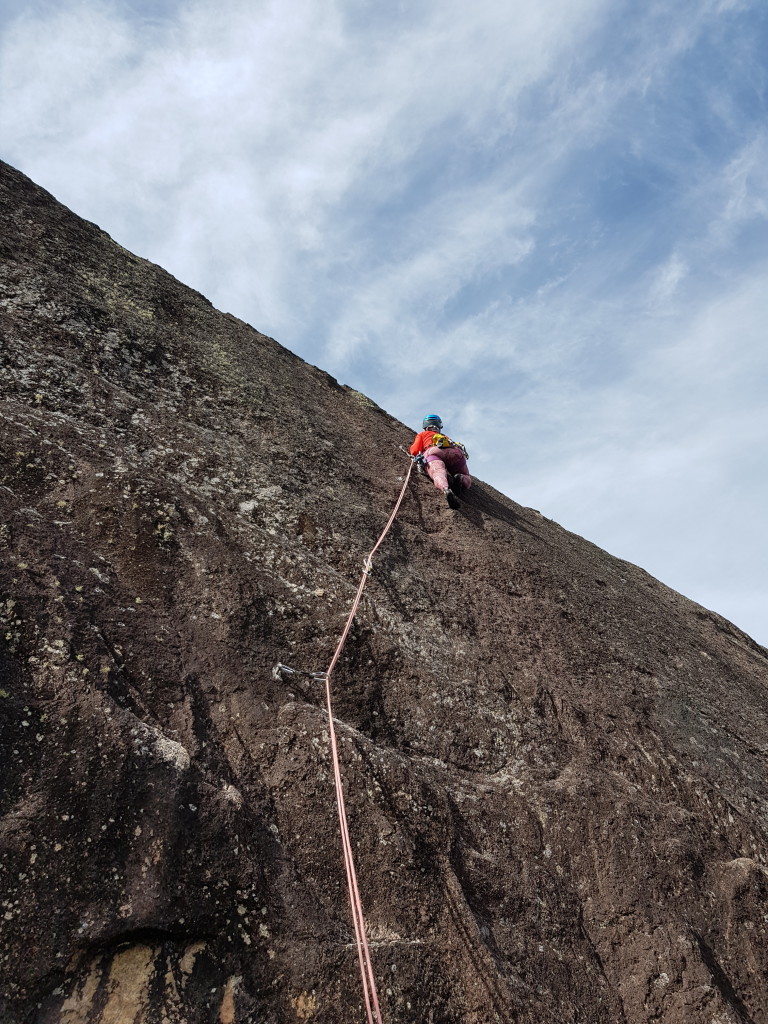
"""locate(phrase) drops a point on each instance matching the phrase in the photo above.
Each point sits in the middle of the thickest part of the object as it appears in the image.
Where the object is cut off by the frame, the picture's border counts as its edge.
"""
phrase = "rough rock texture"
(555, 766)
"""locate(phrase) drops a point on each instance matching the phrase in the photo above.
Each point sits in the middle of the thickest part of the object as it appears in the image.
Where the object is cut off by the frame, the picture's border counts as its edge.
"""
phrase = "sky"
(545, 220)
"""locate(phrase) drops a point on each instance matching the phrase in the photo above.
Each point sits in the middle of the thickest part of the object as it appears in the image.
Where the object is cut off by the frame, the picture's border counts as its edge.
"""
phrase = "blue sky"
(547, 220)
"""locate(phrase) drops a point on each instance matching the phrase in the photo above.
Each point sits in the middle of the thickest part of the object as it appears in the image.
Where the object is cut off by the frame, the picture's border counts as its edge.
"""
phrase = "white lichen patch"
(233, 795)
(262, 495)
(151, 742)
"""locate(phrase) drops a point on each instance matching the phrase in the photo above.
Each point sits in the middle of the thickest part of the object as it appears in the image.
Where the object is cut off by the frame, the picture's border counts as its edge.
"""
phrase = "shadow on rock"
(478, 499)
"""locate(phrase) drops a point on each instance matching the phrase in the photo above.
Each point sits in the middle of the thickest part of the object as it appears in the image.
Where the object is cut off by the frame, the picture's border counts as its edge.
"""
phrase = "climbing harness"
(363, 952)
(443, 441)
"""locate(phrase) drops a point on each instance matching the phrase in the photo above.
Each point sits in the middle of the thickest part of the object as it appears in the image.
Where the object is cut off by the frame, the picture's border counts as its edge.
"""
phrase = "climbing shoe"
(451, 498)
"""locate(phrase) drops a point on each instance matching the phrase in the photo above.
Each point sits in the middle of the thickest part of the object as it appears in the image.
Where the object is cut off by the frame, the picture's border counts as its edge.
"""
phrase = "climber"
(442, 456)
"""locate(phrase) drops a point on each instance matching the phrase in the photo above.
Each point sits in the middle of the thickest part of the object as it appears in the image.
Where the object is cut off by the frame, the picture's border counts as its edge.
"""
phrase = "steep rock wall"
(555, 765)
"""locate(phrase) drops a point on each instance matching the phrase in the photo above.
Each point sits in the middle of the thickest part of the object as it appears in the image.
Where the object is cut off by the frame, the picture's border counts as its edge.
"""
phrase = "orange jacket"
(423, 441)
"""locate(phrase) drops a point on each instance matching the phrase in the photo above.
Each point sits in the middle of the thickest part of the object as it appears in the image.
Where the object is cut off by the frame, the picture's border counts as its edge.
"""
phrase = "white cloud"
(667, 467)
(665, 280)
(259, 120)
(744, 191)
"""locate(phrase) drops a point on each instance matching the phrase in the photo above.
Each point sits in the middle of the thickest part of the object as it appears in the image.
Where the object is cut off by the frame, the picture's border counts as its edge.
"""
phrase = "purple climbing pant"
(441, 461)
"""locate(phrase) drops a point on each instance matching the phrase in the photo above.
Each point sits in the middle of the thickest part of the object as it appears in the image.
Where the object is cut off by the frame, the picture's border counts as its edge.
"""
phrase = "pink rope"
(363, 952)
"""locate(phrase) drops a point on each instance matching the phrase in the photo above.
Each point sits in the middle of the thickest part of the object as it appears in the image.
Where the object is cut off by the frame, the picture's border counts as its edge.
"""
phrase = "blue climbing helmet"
(432, 422)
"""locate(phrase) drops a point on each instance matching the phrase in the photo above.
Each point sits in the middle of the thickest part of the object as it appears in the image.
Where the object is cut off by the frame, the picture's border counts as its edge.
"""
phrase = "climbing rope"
(363, 952)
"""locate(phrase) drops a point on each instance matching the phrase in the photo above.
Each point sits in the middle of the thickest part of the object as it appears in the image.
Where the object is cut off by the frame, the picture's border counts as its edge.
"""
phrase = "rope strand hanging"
(363, 953)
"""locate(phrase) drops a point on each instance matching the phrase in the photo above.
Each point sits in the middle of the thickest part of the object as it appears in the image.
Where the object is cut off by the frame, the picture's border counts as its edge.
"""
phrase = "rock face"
(555, 766)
